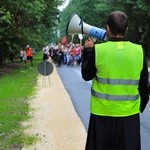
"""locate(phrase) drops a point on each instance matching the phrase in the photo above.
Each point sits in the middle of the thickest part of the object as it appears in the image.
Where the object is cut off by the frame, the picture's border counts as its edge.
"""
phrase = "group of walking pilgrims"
(69, 54)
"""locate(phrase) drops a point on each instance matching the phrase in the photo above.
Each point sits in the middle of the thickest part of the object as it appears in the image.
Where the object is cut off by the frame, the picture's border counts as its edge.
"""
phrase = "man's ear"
(108, 31)
(107, 27)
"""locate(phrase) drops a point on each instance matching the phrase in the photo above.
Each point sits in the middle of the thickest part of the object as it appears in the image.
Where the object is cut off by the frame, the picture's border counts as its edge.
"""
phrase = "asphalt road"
(79, 91)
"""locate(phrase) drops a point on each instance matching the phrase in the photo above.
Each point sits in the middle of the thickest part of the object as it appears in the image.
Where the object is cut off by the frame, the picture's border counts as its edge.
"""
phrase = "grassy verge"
(16, 89)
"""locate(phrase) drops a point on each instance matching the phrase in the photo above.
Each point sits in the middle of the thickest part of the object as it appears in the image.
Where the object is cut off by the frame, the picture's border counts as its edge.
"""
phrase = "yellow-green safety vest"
(114, 90)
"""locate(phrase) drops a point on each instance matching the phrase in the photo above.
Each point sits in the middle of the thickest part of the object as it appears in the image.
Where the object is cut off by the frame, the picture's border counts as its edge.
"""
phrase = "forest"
(40, 22)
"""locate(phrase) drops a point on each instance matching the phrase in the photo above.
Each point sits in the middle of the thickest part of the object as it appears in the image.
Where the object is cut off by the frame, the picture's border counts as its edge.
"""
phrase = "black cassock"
(114, 133)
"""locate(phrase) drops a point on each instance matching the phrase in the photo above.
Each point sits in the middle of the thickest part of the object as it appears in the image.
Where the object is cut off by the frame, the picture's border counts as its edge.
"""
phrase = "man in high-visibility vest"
(120, 88)
(29, 54)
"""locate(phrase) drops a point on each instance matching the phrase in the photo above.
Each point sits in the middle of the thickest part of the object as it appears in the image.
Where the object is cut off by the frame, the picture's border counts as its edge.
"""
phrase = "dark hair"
(117, 22)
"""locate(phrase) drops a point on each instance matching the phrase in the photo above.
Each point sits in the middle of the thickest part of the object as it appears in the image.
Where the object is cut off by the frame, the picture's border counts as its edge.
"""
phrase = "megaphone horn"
(77, 26)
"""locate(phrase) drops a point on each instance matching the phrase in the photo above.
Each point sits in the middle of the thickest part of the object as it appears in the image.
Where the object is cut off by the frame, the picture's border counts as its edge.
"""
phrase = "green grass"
(16, 89)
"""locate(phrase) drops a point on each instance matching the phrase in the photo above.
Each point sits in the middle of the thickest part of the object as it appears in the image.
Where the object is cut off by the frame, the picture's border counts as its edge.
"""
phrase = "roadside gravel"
(55, 121)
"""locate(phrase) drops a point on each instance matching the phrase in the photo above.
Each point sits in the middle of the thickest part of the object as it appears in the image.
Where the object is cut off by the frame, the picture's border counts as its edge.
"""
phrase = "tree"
(24, 22)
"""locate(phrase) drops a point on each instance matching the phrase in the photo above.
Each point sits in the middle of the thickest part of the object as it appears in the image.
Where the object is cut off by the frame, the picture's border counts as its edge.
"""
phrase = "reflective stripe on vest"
(117, 81)
(115, 97)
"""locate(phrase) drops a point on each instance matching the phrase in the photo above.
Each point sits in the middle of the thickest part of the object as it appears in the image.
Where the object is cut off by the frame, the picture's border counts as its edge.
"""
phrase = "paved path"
(55, 122)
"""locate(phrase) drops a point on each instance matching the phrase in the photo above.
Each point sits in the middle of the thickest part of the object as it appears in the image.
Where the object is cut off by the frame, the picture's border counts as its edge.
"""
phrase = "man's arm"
(144, 86)
(88, 69)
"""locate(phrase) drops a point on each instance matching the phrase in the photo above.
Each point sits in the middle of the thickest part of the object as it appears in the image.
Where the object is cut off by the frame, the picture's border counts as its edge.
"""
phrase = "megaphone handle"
(72, 38)
(80, 43)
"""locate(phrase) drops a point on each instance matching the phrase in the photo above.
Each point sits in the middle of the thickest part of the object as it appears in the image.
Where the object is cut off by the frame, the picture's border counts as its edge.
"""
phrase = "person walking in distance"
(29, 54)
(21, 54)
(46, 52)
(24, 56)
(120, 88)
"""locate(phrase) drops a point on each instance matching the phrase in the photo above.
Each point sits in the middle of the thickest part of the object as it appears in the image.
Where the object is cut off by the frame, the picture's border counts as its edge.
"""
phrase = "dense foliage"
(95, 12)
(25, 22)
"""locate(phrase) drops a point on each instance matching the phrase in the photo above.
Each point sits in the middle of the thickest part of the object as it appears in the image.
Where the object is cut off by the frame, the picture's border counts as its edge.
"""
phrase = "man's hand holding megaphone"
(89, 43)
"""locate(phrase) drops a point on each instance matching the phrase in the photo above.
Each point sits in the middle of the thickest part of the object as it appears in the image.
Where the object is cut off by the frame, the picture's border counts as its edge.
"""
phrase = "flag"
(63, 40)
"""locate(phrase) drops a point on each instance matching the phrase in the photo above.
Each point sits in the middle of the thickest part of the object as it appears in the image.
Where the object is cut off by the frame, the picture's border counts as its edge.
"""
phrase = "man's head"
(117, 23)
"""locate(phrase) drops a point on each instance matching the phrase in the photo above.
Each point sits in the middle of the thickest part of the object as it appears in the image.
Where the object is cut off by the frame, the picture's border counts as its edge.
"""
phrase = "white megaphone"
(77, 26)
